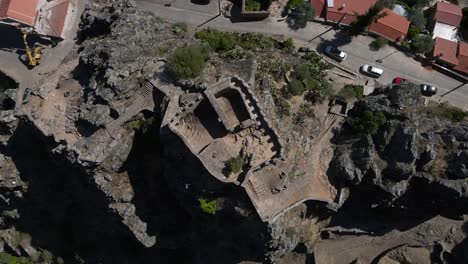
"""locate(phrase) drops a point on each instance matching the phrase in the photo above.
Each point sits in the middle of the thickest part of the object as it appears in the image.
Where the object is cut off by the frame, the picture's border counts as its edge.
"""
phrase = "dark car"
(428, 90)
(335, 53)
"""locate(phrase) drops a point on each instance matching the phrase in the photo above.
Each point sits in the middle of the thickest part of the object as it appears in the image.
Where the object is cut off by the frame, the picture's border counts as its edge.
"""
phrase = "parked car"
(400, 80)
(428, 90)
(371, 70)
(335, 53)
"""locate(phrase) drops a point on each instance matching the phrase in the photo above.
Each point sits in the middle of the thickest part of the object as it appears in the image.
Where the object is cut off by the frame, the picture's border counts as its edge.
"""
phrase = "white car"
(371, 70)
(335, 53)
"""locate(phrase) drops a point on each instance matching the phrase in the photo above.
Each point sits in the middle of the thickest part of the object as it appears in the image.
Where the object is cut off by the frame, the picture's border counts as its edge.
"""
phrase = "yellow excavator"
(33, 55)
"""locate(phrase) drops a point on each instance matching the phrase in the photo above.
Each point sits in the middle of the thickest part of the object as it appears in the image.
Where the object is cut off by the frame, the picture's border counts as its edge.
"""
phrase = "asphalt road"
(316, 36)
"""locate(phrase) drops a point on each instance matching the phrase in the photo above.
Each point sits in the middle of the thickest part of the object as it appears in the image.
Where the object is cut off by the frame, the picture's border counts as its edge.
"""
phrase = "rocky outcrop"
(413, 159)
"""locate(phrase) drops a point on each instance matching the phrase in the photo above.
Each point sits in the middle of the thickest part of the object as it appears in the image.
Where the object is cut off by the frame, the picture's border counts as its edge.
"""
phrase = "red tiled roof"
(391, 26)
(319, 6)
(47, 19)
(462, 57)
(4, 7)
(24, 11)
(448, 14)
(446, 50)
(52, 18)
(351, 7)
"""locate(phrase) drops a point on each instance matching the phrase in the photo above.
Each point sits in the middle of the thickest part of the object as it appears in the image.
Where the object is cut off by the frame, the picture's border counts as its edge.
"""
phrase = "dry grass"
(439, 165)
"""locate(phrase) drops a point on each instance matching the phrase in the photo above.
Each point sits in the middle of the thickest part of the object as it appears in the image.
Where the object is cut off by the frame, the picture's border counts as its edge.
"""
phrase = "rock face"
(415, 159)
(108, 190)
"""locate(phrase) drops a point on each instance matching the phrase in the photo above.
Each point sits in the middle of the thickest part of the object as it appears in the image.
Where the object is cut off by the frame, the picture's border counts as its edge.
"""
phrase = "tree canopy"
(301, 14)
(359, 25)
(416, 16)
(423, 43)
(188, 62)
(367, 122)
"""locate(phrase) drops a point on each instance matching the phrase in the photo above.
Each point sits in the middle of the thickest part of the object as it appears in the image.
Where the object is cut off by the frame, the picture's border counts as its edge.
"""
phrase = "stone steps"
(260, 188)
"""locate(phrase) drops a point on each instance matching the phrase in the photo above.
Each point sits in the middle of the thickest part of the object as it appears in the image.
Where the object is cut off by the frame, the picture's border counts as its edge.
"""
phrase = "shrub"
(288, 45)
(254, 41)
(305, 112)
(60, 260)
(6, 258)
(294, 3)
(295, 87)
(188, 62)
(413, 32)
(252, 5)
(422, 44)
(367, 122)
(318, 89)
(302, 71)
(303, 13)
(47, 256)
(446, 111)
(218, 41)
(417, 3)
(235, 164)
(379, 43)
(282, 105)
(179, 28)
(208, 207)
(352, 91)
(416, 17)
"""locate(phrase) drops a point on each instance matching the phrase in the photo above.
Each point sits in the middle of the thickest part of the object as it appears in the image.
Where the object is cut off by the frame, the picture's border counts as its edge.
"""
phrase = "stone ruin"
(224, 122)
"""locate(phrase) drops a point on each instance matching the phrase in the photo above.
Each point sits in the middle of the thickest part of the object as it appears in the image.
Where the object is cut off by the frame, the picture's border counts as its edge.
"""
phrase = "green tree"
(416, 16)
(317, 90)
(362, 22)
(303, 13)
(252, 5)
(367, 122)
(188, 62)
(208, 207)
(235, 164)
(412, 32)
(47, 256)
(422, 43)
(302, 71)
(379, 43)
(293, 4)
(418, 3)
(295, 87)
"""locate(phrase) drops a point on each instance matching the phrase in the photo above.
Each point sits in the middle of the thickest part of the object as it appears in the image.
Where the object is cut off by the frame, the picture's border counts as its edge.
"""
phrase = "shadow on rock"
(62, 210)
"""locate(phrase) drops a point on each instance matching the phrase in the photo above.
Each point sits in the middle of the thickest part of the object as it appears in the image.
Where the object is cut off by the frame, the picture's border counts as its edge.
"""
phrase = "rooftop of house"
(394, 21)
(350, 6)
(24, 11)
(462, 57)
(47, 17)
(448, 13)
(446, 50)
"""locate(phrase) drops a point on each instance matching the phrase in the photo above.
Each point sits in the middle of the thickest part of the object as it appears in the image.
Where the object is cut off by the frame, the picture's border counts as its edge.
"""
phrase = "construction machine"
(33, 55)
